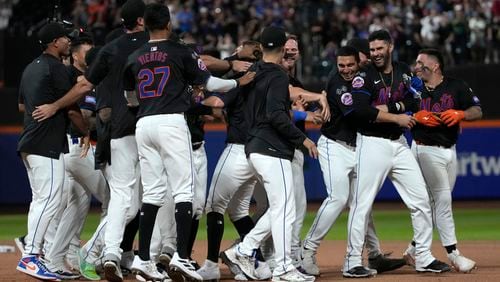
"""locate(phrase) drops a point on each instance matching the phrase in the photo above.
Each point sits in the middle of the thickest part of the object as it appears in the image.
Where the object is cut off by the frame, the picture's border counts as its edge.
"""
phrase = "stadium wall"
(478, 161)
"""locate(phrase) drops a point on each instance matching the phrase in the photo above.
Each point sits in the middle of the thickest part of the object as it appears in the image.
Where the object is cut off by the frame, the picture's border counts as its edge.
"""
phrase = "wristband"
(299, 116)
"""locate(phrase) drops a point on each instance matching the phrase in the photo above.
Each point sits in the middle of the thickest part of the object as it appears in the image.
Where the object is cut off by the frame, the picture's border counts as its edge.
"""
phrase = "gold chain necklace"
(383, 81)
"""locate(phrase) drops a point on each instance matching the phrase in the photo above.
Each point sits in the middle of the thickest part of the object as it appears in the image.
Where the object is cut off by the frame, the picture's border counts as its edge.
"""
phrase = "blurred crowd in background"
(467, 31)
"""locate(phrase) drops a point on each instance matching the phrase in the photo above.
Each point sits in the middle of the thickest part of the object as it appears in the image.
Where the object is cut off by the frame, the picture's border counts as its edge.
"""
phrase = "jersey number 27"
(149, 86)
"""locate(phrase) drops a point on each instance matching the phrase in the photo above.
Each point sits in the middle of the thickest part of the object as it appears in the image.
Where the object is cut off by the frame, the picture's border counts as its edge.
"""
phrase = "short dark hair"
(156, 16)
(381, 34)
(431, 52)
(347, 51)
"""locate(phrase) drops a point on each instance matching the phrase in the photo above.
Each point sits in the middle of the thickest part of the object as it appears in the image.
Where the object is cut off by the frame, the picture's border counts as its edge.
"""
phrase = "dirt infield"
(330, 258)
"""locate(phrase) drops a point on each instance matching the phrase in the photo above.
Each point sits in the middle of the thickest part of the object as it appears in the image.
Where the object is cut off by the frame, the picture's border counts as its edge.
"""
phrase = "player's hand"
(240, 66)
(451, 117)
(314, 117)
(299, 104)
(427, 118)
(44, 112)
(85, 145)
(247, 78)
(406, 121)
(311, 147)
(325, 108)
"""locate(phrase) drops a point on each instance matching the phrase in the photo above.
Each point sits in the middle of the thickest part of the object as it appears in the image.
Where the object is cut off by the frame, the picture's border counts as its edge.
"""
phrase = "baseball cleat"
(409, 255)
(262, 270)
(309, 262)
(146, 269)
(294, 275)
(435, 266)
(461, 263)
(359, 272)
(209, 271)
(383, 263)
(112, 271)
(66, 275)
(35, 267)
(183, 269)
(87, 270)
(245, 263)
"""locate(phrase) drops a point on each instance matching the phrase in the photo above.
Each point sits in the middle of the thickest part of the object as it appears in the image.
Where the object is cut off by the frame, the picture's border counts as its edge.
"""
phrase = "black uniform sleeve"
(60, 79)
(128, 77)
(100, 67)
(466, 97)
(362, 91)
(196, 73)
(199, 110)
(89, 102)
(277, 99)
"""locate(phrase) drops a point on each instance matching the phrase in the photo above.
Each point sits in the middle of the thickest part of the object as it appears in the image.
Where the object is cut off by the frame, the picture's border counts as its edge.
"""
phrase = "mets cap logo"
(358, 82)
(346, 99)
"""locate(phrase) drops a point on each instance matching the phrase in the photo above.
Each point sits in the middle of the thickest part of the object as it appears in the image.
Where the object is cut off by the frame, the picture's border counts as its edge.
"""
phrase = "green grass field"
(471, 224)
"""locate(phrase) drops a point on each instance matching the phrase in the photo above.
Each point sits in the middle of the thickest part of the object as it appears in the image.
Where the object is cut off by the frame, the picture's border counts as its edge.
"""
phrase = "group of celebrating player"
(143, 98)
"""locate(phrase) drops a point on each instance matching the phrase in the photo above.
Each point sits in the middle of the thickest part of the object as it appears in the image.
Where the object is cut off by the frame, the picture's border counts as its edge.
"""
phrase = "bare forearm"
(473, 113)
(78, 121)
(74, 94)
(308, 96)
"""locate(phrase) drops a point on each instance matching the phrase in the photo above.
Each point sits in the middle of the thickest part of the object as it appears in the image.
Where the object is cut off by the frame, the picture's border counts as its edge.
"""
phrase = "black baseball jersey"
(107, 72)
(341, 126)
(44, 81)
(267, 112)
(194, 118)
(87, 102)
(161, 72)
(449, 94)
(234, 108)
(385, 89)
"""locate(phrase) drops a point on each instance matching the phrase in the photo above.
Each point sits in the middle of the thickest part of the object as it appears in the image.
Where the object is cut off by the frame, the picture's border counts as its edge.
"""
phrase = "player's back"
(161, 72)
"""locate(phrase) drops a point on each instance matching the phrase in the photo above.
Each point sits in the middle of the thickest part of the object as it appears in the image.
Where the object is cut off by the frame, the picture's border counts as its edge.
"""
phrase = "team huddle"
(124, 123)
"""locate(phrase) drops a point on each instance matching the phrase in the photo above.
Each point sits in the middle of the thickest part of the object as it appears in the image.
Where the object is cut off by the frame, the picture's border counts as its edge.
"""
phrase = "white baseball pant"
(200, 181)
(232, 183)
(46, 177)
(165, 153)
(84, 181)
(123, 175)
(276, 176)
(338, 165)
(164, 237)
(439, 168)
(378, 158)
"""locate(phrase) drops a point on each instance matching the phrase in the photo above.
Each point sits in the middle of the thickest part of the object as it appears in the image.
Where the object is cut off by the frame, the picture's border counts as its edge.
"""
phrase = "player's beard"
(382, 60)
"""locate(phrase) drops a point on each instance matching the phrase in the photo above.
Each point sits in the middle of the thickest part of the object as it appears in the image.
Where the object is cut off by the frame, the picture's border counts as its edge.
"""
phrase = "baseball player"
(270, 148)
(382, 151)
(337, 158)
(123, 173)
(160, 72)
(42, 144)
(82, 180)
(297, 92)
(445, 102)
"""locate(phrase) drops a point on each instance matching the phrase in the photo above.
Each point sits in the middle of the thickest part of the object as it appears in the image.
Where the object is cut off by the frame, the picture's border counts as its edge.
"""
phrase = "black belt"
(432, 144)
(389, 136)
(350, 144)
(197, 145)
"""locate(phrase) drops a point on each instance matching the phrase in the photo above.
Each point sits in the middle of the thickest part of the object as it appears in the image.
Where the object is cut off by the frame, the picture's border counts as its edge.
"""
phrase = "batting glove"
(427, 118)
(451, 117)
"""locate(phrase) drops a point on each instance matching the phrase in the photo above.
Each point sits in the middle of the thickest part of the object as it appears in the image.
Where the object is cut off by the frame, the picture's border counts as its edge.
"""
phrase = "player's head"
(273, 40)
(347, 62)
(132, 14)
(429, 63)
(157, 17)
(381, 47)
(363, 47)
(79, 48)
(92, 54)
(249, 50)
(292, 53)
(56, 39)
